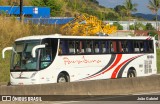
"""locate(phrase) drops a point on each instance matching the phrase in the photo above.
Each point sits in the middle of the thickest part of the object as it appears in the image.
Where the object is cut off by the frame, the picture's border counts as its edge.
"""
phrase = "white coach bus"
(56, 58)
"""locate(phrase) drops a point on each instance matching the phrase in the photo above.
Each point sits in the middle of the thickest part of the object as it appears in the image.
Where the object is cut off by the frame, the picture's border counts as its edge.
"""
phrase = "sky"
(141, 8)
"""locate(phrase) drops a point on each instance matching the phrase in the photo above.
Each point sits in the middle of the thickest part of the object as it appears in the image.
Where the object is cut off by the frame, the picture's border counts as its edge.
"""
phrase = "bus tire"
(9, 83)
(131, 73)
(62, 78)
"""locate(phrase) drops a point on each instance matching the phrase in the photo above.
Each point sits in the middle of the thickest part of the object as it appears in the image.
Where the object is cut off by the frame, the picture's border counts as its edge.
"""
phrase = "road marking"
(66, 102)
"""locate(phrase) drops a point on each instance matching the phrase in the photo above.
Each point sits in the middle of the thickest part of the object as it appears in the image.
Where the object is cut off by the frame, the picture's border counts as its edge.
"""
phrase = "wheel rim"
(131, 75)
(61, 80)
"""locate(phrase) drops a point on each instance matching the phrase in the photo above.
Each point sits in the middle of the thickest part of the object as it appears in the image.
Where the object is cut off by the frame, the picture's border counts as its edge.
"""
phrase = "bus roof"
(59, 36)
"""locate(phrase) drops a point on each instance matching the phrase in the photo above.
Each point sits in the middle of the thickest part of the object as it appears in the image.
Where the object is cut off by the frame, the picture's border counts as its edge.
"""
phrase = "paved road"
(114, 98)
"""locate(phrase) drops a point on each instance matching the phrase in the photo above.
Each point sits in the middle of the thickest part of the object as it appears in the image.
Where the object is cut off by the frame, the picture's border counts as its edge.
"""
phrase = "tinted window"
(48, 54)
(105, 46)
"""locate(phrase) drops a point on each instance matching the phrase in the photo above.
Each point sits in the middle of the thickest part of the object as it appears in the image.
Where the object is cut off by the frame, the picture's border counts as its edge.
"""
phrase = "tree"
(111, 16)
(149, 26)
(119, 27)
(153, 34)
(121, 10)
(38, 3)
(130, 7)
(55, 5)
(154, 6)
(137, 26)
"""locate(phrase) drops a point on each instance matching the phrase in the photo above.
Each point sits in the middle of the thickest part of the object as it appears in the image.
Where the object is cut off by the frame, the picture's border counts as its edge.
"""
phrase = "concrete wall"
(98, 87)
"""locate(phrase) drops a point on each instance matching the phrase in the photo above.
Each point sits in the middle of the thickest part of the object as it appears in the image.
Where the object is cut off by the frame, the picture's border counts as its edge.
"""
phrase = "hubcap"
(131, 75)
(61, 79)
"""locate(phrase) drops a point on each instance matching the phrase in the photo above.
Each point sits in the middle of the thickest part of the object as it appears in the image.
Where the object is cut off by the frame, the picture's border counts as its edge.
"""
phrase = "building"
(28, 11)
(126, 24)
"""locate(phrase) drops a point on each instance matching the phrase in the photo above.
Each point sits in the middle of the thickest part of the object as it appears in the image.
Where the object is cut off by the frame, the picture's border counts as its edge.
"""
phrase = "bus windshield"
(22, 59)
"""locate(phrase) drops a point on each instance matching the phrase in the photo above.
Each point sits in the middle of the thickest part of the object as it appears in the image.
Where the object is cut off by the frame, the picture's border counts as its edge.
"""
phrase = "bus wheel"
(9, 83)
(131, 73)
(62, 78)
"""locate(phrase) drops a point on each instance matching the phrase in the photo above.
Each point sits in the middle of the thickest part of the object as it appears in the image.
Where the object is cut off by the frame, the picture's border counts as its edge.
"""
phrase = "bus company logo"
(6, 98)
(68, 61)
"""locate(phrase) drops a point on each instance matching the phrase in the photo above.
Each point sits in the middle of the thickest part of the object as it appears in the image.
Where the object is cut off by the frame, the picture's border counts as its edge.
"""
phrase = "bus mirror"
(35, 48)
(4, 50)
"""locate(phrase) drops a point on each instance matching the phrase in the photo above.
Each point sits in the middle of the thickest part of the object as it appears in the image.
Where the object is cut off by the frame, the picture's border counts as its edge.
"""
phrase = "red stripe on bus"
(99, 73)
(117, 69)
(114, 74)
(119, 56)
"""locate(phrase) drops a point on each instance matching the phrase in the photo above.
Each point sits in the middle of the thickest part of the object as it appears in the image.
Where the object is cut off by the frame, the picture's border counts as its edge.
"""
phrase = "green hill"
(70, 8)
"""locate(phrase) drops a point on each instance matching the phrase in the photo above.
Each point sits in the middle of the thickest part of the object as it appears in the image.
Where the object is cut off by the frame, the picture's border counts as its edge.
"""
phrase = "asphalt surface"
(106, 100)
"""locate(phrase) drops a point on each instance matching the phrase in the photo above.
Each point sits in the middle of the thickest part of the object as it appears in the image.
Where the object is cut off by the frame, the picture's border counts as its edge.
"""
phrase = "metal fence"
(48, 21)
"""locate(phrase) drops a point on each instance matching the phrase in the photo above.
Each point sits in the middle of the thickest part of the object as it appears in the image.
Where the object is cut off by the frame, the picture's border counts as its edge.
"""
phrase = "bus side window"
(46, 57)
(100, 46)
(79, 46)
(71, 44)
(60, 48)
(63, 48)
(89, 46)
(120, 44)
(96, 47)
(145, 46)
(136, 47)
(123, 46)
(130, 46)
(107, 46)
(150, 44)
(113, 46)
(103, 47)
(141, 46)
(82, 46)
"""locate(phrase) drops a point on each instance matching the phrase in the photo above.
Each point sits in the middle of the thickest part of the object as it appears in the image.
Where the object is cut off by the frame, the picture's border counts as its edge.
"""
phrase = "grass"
(4, 67)
(158, 60)
(10, 2)
(11, 29)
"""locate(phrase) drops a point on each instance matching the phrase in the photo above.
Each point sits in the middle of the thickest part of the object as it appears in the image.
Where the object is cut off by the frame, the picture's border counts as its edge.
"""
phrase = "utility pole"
(21, 10)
